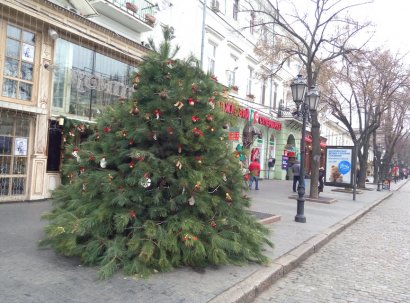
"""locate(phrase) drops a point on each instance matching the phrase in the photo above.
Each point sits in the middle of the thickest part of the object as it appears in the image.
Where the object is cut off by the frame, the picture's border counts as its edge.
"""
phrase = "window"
(211, 57)
(252, 23)
(14, 155)
(275, 95)
(264, 33)
(18, 64)
(235, 9)
(85, 81)
(263, 92)
(232, 71)
(250, 77)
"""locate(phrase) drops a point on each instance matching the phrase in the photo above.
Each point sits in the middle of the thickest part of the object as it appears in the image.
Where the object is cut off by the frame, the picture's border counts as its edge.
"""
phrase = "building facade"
(223, 37)
(65, 62)
(58, 62)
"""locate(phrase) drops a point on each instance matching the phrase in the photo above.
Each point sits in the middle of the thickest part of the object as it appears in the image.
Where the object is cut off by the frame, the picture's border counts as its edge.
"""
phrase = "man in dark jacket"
(321, 180)
(296, 174)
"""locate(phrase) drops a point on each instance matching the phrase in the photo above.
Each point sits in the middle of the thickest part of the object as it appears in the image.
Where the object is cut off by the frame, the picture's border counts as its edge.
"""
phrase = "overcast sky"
(392, 19)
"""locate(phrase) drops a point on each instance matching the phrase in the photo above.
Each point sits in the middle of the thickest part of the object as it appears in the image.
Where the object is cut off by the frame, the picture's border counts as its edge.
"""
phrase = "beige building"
(60, 60)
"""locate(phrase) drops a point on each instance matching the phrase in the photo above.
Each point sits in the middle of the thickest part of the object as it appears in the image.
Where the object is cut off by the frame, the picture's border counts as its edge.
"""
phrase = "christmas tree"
(157, 186)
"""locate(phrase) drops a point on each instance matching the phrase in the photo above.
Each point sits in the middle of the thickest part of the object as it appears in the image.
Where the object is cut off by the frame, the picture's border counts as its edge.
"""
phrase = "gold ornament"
(179, 164)
(179, 104)
(198, 185)
(60, 230)
(137, 79)
(163, 95)
(134, 110)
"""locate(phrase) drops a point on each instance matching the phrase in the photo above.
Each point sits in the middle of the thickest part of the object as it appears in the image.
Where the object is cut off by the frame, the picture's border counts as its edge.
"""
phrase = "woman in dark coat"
(321, 180)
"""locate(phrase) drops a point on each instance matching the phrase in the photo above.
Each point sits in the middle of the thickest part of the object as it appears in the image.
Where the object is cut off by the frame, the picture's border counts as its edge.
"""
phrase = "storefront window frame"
(15, 161)
(62, 104)
(29, 79)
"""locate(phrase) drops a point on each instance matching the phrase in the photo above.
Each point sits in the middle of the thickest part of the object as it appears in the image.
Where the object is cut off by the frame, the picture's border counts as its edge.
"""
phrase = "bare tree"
(402, 150)
(362, 94)
(313, 34)
(395, 129)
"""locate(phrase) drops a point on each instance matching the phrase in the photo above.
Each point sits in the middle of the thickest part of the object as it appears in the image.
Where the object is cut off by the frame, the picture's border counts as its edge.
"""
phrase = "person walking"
(296, 174)
(321, 180)
(395, 173)
(254, 171)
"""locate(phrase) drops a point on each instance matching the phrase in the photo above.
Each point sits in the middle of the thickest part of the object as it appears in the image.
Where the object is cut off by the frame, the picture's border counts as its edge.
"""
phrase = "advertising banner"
(285, 162)
(340, 166)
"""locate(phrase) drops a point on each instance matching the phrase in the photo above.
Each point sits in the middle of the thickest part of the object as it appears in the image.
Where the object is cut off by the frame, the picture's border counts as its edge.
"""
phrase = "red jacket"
(254, 168)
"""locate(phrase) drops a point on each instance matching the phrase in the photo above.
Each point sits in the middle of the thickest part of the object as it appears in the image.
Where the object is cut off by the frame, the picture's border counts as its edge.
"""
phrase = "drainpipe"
(203, 34)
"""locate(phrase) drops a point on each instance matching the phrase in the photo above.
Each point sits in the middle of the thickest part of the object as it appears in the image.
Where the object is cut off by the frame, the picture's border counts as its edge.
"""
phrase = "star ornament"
(179, 104)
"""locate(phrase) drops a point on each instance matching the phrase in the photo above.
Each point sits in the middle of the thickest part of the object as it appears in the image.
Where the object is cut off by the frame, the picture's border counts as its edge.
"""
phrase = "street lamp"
(305, 101)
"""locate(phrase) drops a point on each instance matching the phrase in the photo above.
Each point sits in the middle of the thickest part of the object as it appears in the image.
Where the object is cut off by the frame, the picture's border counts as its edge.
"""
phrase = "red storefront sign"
(269, 123)
(233, 136)
(244, 113)
(234, 109)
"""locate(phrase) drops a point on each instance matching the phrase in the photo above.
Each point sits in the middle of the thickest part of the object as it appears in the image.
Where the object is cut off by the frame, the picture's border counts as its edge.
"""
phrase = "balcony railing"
(284, 112)
(135, 14)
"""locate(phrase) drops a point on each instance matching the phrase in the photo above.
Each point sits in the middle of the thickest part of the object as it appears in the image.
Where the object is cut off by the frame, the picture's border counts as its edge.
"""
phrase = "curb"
(322, 200)
(249, 288)
(271, 219)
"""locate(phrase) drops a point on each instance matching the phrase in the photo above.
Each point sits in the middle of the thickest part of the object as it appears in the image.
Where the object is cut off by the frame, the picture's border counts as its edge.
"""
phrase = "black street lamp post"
(379, 168)
(304, 102)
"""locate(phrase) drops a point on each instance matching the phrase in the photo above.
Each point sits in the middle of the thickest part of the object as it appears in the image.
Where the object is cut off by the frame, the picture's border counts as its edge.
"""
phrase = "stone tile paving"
(369, 262)
(29, 274)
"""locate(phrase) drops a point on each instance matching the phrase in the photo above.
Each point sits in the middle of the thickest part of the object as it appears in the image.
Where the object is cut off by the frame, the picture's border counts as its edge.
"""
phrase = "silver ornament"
(75, 155)
(191, 200)
(145, 182)
(103, 163)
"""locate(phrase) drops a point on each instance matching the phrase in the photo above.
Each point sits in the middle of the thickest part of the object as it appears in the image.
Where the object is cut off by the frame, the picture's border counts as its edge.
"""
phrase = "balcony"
(137, 15)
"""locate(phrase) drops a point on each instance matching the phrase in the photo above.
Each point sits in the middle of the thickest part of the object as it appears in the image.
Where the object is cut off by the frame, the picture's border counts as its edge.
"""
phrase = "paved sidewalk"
(30, 274)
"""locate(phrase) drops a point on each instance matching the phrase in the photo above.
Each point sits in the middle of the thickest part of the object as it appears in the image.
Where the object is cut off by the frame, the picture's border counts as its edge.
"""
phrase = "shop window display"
(85, 81)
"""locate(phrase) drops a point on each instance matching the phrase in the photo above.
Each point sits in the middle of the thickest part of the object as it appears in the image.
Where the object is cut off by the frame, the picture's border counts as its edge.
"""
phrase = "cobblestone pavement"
(368, 262)
(32, 275)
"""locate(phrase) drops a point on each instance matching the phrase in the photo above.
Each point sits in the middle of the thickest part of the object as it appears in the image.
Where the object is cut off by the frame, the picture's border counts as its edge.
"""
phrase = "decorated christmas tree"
(156, 185)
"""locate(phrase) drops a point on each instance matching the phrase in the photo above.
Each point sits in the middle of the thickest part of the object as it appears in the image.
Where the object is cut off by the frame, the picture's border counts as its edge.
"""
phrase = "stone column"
(39, 178)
